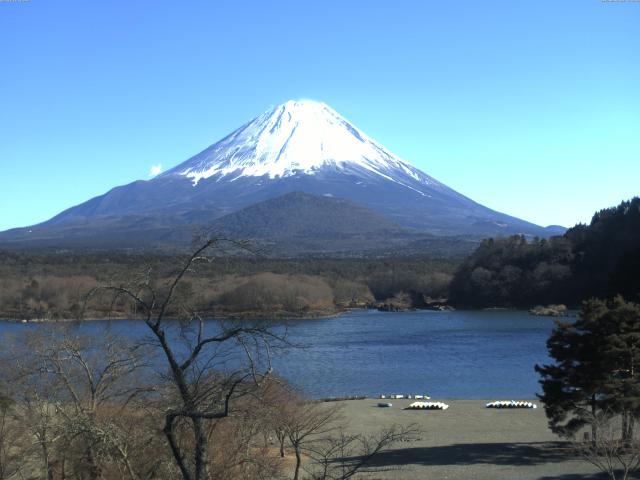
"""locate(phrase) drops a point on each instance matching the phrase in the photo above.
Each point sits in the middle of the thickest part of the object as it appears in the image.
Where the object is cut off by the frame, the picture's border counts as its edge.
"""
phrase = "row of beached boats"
(427, 406)
(418, 405)
(407, 397)
(511, 404)
(422, 405)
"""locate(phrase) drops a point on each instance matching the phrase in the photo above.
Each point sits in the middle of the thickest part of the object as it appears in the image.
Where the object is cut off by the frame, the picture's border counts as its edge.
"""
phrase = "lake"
(458, 354)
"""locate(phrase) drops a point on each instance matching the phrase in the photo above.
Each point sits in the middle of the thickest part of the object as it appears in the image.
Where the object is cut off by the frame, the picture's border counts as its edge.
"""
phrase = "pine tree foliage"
(596, 370)
(601, 259)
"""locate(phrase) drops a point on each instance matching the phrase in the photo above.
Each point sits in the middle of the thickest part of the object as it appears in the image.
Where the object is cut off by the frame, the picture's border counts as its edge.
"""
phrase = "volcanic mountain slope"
(300, 146)
(299, 214)
(298, 222)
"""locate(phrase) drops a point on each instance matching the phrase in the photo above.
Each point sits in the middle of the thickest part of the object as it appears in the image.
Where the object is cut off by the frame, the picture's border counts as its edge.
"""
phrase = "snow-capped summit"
(293, 174)
(297, 137)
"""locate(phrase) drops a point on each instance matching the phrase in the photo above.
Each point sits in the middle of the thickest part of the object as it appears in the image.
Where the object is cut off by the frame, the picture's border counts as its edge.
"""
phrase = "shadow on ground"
(468, 454)
(516, 454)
(575, 476)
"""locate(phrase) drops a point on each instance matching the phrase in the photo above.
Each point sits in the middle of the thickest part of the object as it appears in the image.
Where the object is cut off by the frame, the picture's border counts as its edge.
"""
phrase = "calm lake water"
(460, 354)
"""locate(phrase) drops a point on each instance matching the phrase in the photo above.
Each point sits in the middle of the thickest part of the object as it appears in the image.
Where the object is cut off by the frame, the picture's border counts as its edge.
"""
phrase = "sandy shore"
(468, 441)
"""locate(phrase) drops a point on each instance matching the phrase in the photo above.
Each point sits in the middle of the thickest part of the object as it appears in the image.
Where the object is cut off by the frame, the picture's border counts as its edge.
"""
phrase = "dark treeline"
(55, 284)
(601, 259)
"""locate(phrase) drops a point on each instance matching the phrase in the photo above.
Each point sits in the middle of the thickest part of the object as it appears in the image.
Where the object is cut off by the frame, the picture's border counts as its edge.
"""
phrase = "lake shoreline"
(273, 315)
(229, 316)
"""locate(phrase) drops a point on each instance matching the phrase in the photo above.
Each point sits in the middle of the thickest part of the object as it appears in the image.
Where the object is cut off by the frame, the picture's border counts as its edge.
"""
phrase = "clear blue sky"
(529, 107)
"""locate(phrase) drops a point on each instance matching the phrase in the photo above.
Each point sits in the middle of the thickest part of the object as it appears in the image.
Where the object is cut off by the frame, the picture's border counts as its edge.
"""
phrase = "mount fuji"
(301, 147)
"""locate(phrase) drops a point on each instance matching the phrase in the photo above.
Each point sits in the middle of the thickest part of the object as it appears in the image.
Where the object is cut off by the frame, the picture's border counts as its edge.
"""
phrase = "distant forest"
(54, 285)
(597, 260)
(601, 259)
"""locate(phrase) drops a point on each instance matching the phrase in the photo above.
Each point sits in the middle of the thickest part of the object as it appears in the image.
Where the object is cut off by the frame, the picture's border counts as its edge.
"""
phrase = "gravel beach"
(468, 441)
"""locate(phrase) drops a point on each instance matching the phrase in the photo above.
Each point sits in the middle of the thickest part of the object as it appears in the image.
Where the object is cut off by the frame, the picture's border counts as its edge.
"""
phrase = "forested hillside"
(55, 284)
(596, 260)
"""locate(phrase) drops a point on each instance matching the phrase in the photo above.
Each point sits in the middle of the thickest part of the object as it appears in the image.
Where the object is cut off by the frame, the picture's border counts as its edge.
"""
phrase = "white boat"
(427, 406)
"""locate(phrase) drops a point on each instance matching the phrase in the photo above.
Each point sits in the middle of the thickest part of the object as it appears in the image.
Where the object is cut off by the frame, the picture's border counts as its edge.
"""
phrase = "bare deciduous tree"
(72, 393)
(202, 405)
(611, 451)
(305, 423)
(341, 455)
(202, 392)
(10, 438)
(313, 430)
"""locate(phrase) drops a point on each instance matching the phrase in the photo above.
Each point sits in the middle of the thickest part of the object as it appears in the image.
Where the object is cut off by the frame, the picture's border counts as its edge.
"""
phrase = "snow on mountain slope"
(298, 137)
(299, 146)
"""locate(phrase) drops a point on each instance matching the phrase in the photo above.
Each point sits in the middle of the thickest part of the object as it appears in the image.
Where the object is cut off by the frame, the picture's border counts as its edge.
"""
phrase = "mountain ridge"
(299, 146)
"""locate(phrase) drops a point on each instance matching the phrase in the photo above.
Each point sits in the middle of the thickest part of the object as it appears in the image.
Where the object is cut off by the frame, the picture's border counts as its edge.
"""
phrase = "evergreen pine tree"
(596, 369)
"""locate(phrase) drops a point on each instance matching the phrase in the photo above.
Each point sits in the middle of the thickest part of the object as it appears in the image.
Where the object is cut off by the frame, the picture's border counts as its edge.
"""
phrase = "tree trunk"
(47, 465)
(201, 449)
(594, 427)
(175, 449)
(94, 469)
(63, 465)
(296, 473)
(627, 427)
(281, 436)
